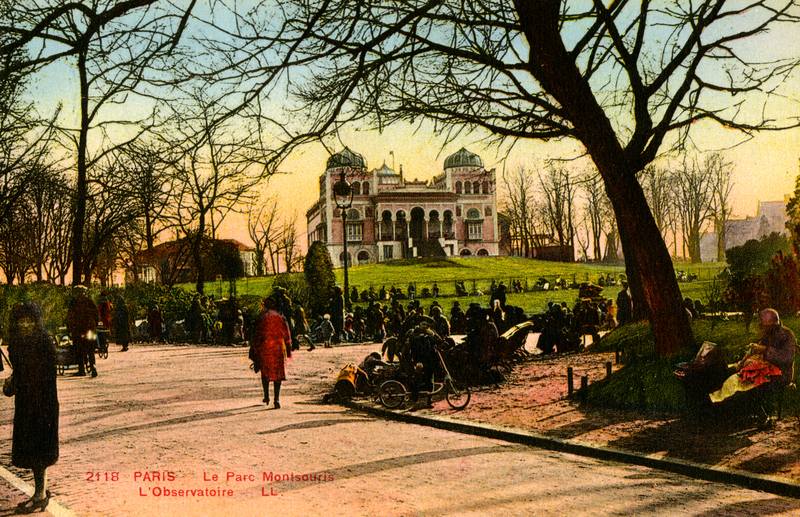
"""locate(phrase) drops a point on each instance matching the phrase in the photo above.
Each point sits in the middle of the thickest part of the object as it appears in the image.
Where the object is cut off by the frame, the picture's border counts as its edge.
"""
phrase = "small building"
(454, 214)
(172, 261)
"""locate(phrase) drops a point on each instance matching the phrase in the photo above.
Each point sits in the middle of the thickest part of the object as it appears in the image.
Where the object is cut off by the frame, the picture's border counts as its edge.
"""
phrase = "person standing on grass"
(272, 345)
(624, 306)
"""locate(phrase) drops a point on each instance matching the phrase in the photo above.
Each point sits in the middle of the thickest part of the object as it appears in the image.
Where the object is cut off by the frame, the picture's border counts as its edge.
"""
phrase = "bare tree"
(112, 45)
(48, 199)
(148, 175)
(721, 188)
(110, 209)
(15, 240)
(290, 244)
(217, 162)
(132, 240)
(559, 190)
(694, 198)
(596, 211)
(659, 189)
(517, 205)
(263, 229)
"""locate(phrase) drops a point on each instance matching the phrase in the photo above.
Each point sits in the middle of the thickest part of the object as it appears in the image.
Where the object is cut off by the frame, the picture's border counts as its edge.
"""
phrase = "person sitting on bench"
(768, 365)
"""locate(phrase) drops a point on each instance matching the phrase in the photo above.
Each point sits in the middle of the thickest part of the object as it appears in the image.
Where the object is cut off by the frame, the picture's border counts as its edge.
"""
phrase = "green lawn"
(477, 274)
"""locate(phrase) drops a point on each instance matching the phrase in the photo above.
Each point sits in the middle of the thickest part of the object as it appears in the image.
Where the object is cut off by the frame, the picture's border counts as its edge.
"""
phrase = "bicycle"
(393, 393)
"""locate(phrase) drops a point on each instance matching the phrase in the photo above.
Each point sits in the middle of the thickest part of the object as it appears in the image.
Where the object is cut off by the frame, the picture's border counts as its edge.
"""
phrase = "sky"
(764, 168)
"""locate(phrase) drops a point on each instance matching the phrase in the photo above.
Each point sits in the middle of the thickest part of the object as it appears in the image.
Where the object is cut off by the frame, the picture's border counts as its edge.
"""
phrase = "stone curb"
(771, 484)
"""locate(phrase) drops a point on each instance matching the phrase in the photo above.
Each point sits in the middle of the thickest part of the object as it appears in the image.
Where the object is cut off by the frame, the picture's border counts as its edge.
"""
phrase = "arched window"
(476, 187)
(363, 257)
(467, 187)
(458, 187)
(353, 215)
(341, 258)
(365, 188)
(485, 187)
(465, 252)
(473, 213)
(482, 253)
(356, 186)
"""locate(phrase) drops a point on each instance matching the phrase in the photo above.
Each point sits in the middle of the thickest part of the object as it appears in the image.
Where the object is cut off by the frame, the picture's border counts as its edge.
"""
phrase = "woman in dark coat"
(122, 323)
(34, 442)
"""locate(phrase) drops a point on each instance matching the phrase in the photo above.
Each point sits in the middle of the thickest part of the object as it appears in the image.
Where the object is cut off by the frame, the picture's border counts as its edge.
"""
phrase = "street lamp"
(343, 196)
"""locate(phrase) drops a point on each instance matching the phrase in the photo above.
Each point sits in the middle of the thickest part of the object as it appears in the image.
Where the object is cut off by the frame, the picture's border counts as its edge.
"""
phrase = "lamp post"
(343, 196)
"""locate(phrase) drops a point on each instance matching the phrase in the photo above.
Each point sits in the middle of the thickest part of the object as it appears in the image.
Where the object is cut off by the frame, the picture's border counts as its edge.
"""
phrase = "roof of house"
(166, 249)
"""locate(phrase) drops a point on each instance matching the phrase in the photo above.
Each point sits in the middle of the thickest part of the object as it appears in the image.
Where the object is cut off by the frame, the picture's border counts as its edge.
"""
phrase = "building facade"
(770, 217)
(454, 214)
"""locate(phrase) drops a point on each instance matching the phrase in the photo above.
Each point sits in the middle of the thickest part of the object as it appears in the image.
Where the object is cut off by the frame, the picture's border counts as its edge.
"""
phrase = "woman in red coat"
(272, 344)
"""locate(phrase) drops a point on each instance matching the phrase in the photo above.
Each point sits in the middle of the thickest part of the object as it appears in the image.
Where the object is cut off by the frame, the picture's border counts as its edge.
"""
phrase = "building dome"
(385, 171)
(463, 158)
(346, 158)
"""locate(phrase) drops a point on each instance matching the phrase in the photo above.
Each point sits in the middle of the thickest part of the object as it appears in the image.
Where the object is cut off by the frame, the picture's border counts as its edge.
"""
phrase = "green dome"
(463, 158)
(346, 158)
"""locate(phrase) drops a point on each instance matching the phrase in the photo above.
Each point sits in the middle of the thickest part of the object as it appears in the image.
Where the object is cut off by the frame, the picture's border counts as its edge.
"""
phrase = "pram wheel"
(392, 394)
(457, 395)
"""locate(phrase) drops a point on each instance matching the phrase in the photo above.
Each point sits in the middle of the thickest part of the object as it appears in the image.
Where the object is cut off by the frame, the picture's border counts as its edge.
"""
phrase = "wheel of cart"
(394, 394)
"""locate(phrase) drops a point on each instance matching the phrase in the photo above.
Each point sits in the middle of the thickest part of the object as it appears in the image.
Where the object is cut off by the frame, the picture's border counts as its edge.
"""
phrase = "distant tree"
(264, 230)
(530, 223)
(559, 189)
(659, 189)
(318, 270)
(146, 171)
(721, 188)
(596, 210)
(694, 200)
(290, 244)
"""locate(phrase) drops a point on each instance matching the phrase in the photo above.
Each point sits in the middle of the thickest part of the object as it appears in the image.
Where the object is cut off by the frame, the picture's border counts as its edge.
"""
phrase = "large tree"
(217, 162)
(626, 79)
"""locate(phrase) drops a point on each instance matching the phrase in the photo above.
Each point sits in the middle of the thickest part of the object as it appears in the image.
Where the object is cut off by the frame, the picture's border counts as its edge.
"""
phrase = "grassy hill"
(477, 275)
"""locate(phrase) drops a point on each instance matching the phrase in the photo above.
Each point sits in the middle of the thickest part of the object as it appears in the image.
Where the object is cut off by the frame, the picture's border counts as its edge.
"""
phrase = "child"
(326, 328)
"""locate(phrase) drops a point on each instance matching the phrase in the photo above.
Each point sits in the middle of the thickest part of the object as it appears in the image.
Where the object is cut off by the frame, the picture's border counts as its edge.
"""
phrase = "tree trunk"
(650, 272)
(80, 187)
(198, 254)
